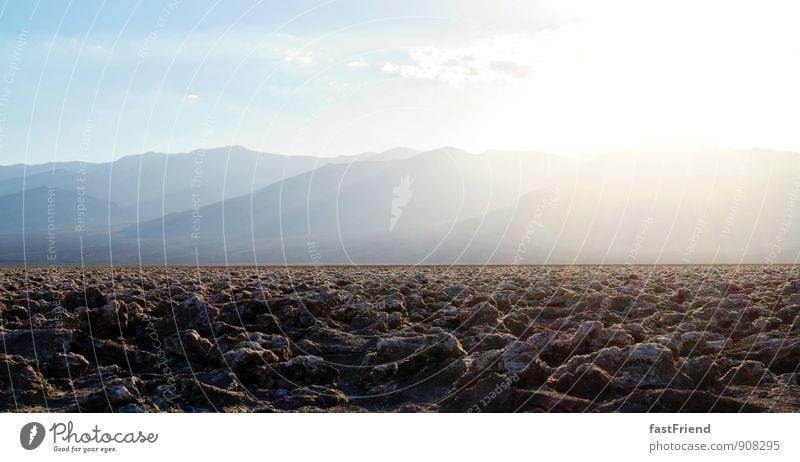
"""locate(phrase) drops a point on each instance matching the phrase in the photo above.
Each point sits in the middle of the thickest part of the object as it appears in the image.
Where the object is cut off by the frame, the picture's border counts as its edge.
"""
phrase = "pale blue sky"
(97, 80)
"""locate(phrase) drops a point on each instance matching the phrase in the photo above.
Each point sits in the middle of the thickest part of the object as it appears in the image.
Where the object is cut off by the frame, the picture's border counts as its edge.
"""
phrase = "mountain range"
(232, 205)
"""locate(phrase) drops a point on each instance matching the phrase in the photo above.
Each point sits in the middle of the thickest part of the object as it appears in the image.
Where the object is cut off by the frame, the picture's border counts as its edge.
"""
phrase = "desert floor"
(414, 339)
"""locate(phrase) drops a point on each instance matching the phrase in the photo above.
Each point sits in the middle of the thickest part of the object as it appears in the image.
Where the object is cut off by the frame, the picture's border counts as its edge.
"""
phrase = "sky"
(93, 80)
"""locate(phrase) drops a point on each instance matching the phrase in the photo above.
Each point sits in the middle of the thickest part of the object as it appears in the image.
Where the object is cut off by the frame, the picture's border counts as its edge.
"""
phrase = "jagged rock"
(480, 363)
(592, 336)
(480, 314)
(14, 313)
(107, 352)
(456, 292)
(392, 304)
(398, 348)
(535, 294)
(437, 347)
(552, 348)
(519, 324)
(433, 359)
(751, 373)
(248, 355)
(195, 394)
(751, 313)
(188, 344)
(370, 321)
(275, 343)
(308, 370)
(520, 360)
(671, 400)
(304, 347)
(267, 323)
(616, 370)
(544, 400)
(490, 341)
(585, 380)
(703, 370)
(619, 302)
(504, 301)
(780, 353)
(764, 324)
(297, 318)
(498, 393)
(713, 315)
(108, 399)
(108, 321)
(787, 314)
(590, 302)
(562, 297)
(312, 398)
(92, 297)
(789, 379)
(41, 344)
(192, 313)
(702, 343)
(18, 378)
(490, 393)
(66, 365)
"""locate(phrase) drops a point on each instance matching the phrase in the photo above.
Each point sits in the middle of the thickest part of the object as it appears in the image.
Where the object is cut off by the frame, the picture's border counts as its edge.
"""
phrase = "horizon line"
(423, 151)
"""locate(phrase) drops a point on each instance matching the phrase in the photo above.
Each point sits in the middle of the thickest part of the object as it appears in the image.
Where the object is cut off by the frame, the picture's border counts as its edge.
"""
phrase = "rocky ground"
(488, 339)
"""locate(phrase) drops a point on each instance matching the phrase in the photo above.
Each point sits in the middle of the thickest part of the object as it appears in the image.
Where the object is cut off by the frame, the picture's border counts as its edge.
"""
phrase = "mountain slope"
(48, 210)
(448, 206)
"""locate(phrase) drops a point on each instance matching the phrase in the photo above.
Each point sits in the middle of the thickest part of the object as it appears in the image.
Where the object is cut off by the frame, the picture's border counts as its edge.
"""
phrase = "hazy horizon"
(444, 206)
(643, 150)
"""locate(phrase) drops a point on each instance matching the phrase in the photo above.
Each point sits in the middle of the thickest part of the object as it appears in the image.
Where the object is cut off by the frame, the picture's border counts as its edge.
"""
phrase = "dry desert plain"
(413, 339)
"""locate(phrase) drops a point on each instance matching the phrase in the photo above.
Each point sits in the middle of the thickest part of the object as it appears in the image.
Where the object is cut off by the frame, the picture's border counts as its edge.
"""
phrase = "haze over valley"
(232, 205)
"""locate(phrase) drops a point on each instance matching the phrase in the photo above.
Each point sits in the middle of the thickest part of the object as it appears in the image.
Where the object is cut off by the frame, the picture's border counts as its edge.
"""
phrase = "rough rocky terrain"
(413, 339)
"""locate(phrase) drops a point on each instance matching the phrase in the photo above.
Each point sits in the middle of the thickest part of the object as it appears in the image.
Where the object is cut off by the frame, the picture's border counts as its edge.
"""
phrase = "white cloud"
(500, 58)
(390, 68)
(192, 97)
(296, 56)
(360, 63)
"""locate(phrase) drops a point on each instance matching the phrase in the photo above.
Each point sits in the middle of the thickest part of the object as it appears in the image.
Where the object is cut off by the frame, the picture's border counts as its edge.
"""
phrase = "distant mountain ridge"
(403, 206)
